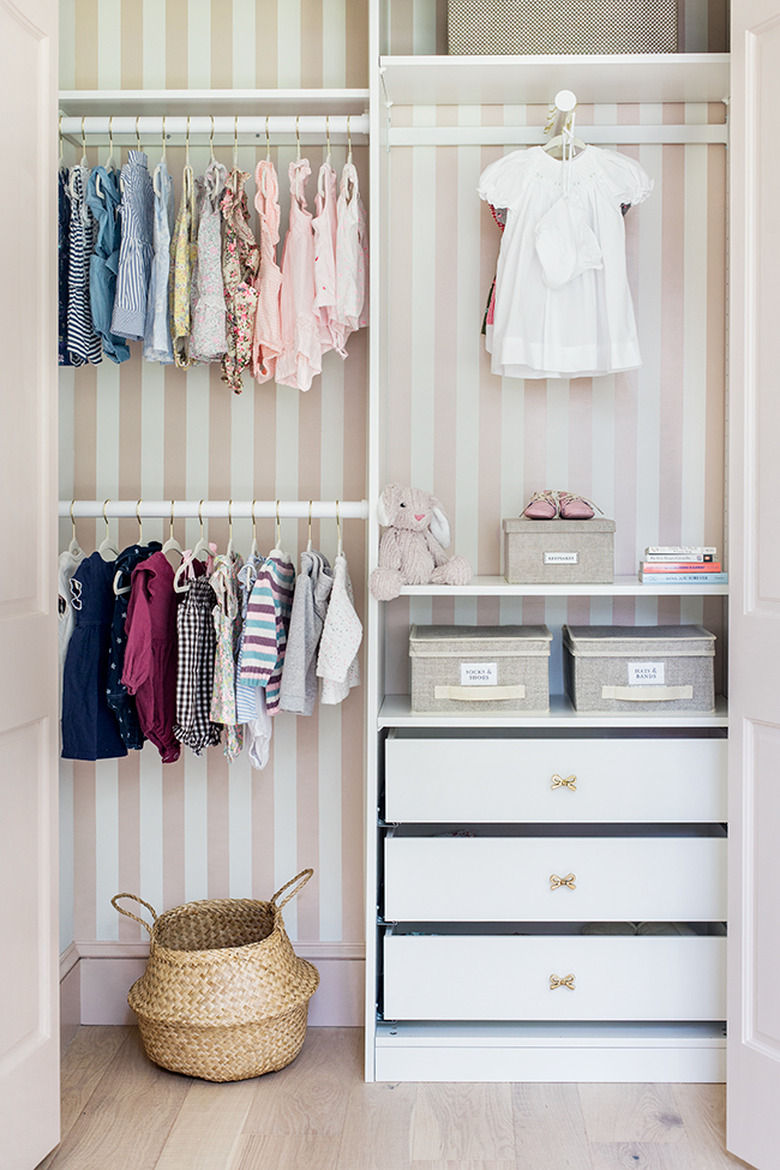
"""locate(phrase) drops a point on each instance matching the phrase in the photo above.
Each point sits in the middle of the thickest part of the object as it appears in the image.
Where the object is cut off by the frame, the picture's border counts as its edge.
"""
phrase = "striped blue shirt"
(136, 250)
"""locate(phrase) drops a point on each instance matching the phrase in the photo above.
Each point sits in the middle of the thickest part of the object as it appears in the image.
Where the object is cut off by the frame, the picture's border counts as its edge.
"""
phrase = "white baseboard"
(100, 974)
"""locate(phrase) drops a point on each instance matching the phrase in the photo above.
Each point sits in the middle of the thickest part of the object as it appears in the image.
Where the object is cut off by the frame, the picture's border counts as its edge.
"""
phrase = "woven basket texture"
(224, 996)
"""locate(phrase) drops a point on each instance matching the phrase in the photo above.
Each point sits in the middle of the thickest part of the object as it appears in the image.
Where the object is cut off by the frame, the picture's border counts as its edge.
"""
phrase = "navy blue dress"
(120, 702)
(89, 727)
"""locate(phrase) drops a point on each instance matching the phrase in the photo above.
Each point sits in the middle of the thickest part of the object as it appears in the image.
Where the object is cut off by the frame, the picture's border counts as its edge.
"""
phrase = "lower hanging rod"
(214, 509)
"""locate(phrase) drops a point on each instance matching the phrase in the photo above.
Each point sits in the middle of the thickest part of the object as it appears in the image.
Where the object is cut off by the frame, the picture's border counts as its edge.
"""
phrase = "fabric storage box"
(562, 26)
(639, 668)
(476, 670)
(551, 552)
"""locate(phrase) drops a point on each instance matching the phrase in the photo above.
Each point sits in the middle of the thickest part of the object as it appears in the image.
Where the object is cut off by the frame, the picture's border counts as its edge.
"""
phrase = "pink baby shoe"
(571, 507)
(542, 506)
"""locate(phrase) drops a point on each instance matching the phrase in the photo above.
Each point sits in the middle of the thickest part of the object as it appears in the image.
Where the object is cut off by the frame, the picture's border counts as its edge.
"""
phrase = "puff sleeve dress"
(562, 304)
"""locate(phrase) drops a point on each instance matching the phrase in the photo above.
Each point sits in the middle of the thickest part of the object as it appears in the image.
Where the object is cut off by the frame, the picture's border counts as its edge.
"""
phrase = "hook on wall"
(298, 135)
(83, 144)
(267, 139)
(137, 134)
(140, 522)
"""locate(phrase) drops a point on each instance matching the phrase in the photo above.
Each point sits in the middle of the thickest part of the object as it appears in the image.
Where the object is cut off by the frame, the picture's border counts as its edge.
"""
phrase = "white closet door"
(754, 639)
(29, 1032)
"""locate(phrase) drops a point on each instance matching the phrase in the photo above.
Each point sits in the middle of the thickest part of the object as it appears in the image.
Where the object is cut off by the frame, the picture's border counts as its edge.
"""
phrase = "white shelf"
(657, 77)
(396, 712)
(624, 586)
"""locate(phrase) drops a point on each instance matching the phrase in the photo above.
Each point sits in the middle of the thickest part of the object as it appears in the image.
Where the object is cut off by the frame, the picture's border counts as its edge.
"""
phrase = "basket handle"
(121, 910)
(301, 878)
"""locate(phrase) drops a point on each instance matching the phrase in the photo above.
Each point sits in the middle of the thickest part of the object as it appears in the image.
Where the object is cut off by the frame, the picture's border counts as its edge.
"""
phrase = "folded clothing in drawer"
(639, 668)
(480, 669)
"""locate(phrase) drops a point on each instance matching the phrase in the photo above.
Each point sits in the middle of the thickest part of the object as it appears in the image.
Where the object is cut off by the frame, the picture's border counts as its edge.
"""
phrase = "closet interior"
(416, 403)
(507, 915)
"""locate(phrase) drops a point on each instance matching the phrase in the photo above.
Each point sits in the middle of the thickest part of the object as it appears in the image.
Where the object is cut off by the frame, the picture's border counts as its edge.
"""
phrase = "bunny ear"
(384, 504)
(440, 527)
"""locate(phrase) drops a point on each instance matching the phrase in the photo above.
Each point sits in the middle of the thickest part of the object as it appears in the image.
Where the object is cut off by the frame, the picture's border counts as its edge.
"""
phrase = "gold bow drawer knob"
(557, 981)
(568, 881)
(564, 782)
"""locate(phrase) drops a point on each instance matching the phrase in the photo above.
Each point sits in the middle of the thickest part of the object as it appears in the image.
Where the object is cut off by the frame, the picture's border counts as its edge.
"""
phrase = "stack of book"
(677, 564)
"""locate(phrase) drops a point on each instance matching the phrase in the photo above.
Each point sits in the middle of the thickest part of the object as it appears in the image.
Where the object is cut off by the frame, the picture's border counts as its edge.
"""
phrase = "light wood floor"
(120, 1112)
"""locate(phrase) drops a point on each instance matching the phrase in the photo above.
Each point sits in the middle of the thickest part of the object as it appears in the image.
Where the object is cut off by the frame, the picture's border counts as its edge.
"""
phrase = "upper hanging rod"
(215, 509)
(223, 130)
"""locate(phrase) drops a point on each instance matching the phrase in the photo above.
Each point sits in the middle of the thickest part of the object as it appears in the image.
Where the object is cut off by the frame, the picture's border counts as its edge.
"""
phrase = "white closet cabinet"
(494, 840)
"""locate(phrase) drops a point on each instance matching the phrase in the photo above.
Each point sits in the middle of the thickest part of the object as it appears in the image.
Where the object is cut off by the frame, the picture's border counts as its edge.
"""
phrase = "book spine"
(696, 558)
(684, 578)
(681, 567)
(678, 550)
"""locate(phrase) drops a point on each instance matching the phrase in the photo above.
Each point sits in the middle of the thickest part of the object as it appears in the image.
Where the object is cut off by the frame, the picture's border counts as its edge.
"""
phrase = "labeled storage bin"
(476, 670)
(639, 668)
(224, 996)
(562, 26)
(552, 552)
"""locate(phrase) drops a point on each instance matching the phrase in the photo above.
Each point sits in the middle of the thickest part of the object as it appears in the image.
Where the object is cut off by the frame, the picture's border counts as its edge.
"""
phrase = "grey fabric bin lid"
(444, 641)
(524, 526)
(611, 641)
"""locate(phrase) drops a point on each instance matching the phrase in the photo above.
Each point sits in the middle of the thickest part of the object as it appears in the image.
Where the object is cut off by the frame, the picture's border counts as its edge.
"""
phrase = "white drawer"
(505, 978)
(514, 878)
(512, 780)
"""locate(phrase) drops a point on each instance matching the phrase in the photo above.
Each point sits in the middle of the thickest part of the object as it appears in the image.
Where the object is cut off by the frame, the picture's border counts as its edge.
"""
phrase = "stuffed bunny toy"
(411, 551)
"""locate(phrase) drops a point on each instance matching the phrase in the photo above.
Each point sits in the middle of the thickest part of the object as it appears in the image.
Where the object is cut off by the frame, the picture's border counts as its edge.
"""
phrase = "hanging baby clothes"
(562, 302)
(227, 625)
(313, 584)
(240, 263)
(301, 356)
(342, 633)
(195, 676)
(184, 247)
(89, 729)
(324, 225)
(66, 567)
(103, 201)
(351, 254)
(250, 700)
(137, 248)
(208, 340)
(158, 346)
(119, 700)
(83, 341)
(63, 251)
(266, 625)
(149, 670)
(267, 340)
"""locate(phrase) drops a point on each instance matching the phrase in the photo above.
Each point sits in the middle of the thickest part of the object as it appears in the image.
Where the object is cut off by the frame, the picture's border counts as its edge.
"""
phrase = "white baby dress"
(562, 303)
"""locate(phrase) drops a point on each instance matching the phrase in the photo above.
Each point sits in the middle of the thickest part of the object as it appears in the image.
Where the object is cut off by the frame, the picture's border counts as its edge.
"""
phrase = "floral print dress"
(240, 264)
(184, 249)
(228, 625)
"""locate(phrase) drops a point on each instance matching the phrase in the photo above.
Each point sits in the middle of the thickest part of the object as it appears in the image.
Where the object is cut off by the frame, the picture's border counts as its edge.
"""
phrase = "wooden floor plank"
(377, 1127)
(703, 1110)
(471, 1164)
(281, 1152)
(456, 1122)
(631, 1113)
(208, 1127)
(127, 1118)
(644, 1156)
(309, 1096)
(83, 1064)
(549, 1127)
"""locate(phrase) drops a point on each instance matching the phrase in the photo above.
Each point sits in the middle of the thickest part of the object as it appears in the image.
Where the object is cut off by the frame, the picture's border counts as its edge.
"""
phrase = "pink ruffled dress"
(301, 357)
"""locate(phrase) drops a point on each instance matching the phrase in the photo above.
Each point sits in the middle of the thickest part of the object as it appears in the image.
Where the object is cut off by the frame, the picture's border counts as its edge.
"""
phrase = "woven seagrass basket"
(224, 997)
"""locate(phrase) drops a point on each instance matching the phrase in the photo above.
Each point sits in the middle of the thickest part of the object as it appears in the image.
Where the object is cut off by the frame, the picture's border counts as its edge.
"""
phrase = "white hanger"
(562, 114)
(118, 590)
(202, 546)
(74, 547)
(254, 551)
(107, 549)
(172, 545)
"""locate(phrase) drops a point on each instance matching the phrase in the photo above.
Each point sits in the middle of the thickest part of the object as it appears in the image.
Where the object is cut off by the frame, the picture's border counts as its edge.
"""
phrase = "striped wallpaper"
(200, 827)
(647, 446)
